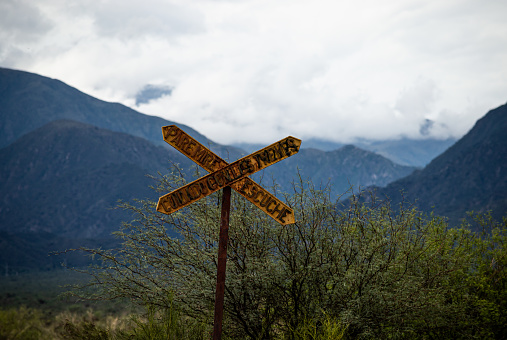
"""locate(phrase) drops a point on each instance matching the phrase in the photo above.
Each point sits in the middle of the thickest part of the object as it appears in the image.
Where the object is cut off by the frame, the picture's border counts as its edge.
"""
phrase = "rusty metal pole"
(222, 261)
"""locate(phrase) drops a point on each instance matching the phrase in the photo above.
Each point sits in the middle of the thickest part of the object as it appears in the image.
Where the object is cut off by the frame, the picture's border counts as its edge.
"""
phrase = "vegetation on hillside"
(357, 271)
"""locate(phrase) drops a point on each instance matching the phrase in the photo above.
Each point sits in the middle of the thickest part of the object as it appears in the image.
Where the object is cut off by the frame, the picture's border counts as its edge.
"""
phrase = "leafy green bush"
(368, 270)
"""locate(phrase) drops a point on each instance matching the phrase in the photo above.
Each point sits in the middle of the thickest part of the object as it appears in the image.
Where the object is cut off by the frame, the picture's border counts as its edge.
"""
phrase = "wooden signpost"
(226, 176)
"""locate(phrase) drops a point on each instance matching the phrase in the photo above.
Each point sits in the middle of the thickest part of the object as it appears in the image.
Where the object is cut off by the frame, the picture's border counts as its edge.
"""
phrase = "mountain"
(61, 178)
(470, 176)
(404, 151)
(60, 184)
(28, 101)
(345, 168)
(65, 177)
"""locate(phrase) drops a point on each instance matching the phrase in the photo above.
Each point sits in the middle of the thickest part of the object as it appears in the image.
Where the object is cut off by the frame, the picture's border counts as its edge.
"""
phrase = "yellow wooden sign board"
(223, 174)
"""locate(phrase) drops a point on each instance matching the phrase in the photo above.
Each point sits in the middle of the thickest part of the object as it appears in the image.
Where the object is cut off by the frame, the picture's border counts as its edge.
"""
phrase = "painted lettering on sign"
(267, 202)
(206, 185)
(192, 148)
(277, 152)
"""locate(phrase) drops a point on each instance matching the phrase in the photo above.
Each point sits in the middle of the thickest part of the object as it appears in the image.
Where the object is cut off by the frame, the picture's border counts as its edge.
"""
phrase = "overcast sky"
(257, 71)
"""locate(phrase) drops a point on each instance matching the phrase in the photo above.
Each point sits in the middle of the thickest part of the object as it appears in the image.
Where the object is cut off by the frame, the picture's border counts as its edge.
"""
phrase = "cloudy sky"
(257, 71)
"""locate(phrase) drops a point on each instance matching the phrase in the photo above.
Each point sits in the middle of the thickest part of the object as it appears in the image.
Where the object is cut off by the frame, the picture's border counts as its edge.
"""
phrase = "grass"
(31, 307)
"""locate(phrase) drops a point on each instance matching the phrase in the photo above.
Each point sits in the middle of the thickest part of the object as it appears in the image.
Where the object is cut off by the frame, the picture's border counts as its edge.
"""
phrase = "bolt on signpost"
(226, 176)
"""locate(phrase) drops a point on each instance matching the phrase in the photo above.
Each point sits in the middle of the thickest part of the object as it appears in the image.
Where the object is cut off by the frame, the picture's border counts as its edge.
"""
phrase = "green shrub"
(326, 329)
(368, 269)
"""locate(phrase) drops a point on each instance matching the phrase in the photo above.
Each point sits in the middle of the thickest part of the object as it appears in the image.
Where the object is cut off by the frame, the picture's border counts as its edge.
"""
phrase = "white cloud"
(21, 21)
(259, 70)
(129, 20)
(21, 24)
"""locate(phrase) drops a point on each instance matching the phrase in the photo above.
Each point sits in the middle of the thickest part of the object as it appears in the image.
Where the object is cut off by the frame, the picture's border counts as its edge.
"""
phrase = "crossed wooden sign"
(226, 176)
(222, 174)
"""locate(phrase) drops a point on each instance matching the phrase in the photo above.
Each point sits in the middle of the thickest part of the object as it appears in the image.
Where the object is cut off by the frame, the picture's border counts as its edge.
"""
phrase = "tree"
(374, 270)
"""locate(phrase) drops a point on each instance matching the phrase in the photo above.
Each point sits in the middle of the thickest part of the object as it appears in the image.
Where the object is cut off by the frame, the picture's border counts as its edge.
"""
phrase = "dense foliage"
(354, 270)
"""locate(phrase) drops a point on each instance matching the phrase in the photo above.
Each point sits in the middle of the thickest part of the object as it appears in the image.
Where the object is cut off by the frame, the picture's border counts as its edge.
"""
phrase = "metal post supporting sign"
(226, 176)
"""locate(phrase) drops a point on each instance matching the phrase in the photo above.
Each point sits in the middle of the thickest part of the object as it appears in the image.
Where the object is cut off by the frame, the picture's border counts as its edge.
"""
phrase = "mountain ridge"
(28, 101)
(470, 176)
(55, 178)
(346, 168)
(403, 151)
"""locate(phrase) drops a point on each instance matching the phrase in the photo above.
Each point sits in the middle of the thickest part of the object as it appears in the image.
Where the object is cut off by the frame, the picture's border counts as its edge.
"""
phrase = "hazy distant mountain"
(410, 152)
(413, 152)
(470, 175)
(28, 101)
(345, 168)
